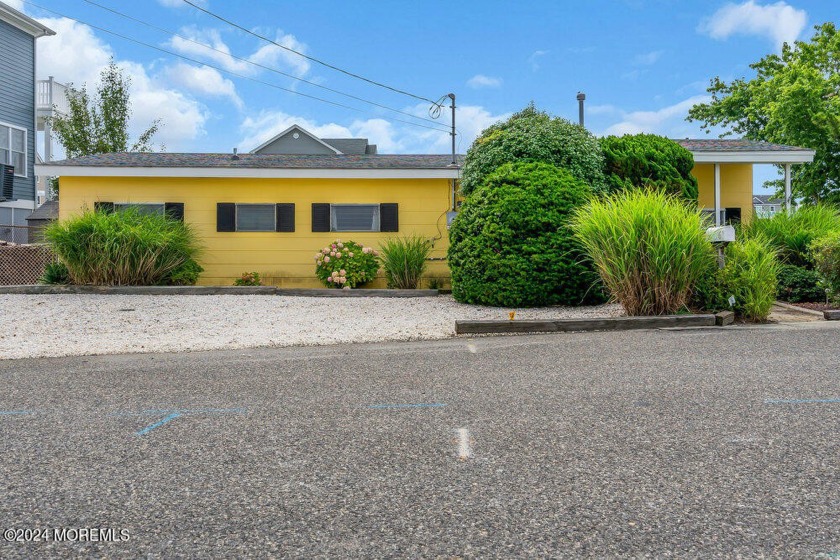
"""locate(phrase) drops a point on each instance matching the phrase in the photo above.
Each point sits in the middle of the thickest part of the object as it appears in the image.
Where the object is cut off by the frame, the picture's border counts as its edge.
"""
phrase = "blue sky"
(642, 63)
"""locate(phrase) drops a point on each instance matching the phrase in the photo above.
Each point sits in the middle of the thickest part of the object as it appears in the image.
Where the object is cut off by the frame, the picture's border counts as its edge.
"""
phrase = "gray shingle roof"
(734, 145)
(261, 161)
(348, 146)
(47, 211)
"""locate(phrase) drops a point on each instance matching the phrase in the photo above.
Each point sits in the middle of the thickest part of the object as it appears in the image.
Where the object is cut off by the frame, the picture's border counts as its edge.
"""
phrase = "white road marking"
(464, 449)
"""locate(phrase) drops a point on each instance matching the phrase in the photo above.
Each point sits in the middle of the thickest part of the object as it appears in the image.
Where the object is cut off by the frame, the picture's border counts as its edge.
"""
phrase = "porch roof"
(723, 150)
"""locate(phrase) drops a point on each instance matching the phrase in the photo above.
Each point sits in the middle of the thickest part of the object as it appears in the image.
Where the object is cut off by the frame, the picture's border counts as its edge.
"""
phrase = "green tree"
(793, 99)
(648, 161)
(100, 125)
(534, 136)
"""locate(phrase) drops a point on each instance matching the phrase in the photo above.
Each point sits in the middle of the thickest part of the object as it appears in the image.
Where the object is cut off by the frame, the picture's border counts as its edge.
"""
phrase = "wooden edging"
(599, 324)
(797, 309)
(832, 315)
(44, 289)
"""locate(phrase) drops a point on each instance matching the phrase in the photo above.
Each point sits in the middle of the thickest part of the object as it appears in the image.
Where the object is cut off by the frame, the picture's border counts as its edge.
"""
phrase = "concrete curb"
(600, 324)
(49, 289)
(832, 315)
(795, 308)
(360, 292)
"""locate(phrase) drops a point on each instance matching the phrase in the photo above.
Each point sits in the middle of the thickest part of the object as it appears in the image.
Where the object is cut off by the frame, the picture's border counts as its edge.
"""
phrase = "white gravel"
(67, 325)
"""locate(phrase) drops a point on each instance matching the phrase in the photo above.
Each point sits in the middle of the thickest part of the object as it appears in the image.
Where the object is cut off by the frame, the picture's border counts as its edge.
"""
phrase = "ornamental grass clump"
(750, 275)
(404, 261)
(346, 264)
(124, 248)
(791, 233)
(649, 248)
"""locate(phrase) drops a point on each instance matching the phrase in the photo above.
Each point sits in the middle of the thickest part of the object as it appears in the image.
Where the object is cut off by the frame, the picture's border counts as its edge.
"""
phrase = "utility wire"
(307, 57)
(257, 64)
(160, 49)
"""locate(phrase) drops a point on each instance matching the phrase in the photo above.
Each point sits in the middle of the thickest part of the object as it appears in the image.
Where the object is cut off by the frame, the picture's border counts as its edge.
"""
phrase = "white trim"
(246, 172)
(288, 130)
(798, 156)
(25, 204)
(25, 148)
(23, 22)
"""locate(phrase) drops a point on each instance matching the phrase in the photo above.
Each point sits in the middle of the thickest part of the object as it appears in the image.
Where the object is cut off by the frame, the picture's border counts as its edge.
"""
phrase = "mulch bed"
(816, 306)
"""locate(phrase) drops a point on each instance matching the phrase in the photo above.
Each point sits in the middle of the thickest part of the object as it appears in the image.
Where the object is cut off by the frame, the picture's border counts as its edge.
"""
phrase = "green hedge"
(648, 161)
(511, 245)
(534, 136)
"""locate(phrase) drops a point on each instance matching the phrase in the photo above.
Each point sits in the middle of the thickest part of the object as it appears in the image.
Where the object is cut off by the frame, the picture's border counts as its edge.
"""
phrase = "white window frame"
(25, 149)
(274, 210)
(377, 219)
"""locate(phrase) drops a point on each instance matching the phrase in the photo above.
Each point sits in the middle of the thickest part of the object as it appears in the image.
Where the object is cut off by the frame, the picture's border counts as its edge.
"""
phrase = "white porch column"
(787, 187)
(717, 194)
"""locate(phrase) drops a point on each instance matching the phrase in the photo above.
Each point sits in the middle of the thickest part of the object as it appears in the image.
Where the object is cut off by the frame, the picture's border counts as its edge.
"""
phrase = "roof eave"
(247, 172)
(776, 156)
(24, 23)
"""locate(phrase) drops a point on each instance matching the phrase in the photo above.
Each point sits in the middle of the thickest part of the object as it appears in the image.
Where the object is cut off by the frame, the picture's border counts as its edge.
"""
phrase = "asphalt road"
(670, 443)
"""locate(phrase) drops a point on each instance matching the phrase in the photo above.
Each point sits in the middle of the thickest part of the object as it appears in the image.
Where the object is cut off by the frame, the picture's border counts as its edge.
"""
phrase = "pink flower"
(325, 250)
(334, 274)
(333, 245)
(338, 255)
(340, 245)
(329, 278)
(326, 259)
(342, 272)
(342, 280)
(350, 255)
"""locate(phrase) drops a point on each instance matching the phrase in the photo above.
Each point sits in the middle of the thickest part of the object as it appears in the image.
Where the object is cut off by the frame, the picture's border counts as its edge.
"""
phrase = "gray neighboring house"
(767, 205)
(297, 141)
(18, 33)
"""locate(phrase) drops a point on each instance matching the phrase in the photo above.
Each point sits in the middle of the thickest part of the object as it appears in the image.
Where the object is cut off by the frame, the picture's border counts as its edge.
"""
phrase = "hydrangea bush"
(346, 264)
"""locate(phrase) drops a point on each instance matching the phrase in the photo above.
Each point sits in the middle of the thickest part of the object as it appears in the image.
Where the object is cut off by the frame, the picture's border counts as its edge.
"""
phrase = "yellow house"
(271, 210)
(724, 171)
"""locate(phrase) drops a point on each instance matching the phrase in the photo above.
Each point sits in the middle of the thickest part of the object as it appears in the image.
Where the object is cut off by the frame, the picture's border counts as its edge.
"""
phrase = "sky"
(641, 63)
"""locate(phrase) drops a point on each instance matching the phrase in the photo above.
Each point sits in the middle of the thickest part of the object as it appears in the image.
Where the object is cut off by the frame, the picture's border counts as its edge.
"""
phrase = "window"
(13, 148)
(772, 208)
(255, 217)
(354, 217)
(141, 208)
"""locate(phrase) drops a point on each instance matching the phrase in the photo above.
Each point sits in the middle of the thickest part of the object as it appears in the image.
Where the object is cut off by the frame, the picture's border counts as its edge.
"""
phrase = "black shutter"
(225, 216)
(320, 217)
(389, 217)
(7, 182)
(285, 217)
(104, 207)
(174, 210)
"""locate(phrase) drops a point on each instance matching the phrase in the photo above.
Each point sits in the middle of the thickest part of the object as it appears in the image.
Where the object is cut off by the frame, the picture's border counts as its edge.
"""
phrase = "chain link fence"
(21, 261)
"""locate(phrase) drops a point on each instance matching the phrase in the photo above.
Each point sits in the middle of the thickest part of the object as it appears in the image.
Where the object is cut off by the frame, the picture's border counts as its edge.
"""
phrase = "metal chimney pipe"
(581, 97)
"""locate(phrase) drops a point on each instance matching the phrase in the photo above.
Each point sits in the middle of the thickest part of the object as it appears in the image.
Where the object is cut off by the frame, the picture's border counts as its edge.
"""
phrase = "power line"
(160, 49)
(257, 64)
(307, 57)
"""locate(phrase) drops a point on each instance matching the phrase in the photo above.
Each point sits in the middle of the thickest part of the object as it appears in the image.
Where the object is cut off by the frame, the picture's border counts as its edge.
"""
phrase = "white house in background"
(18, 33)
(767, 206)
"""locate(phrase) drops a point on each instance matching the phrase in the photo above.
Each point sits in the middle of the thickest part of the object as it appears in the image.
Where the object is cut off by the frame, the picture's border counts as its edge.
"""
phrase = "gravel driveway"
(68, 325)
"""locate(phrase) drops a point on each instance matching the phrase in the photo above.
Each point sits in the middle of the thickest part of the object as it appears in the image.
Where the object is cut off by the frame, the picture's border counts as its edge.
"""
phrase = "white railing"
(49, 94)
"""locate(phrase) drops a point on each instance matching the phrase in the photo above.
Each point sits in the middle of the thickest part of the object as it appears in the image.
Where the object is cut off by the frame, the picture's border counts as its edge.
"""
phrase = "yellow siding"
(283, 259)
(736, 186)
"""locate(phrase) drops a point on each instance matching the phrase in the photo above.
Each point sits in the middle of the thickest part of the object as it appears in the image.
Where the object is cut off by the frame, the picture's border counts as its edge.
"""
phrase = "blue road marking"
(800, 401)
(151, 412)
(168, 418)
(15, 412)
(417, 405)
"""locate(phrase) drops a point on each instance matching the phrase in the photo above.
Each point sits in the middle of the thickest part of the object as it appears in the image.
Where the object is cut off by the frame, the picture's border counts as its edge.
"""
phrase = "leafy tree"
(793, 99)
(511, 244)
(534, 136)
(648, 161)
(100, 125)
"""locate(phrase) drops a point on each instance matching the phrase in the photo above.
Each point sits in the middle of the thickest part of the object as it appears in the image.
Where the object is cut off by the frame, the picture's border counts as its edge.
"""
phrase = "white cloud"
(389, 137)
(202, 80)
(16, 4)
(533, 60)
(669, 121)
(182, 117)
(480, 81)
(647, 59)
(780, 22)
(220, 53)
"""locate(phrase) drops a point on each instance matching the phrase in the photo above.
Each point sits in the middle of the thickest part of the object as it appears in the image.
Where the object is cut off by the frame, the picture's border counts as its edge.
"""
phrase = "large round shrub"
(534, 136)
(649, 248)
(510, 245)
(648, 161)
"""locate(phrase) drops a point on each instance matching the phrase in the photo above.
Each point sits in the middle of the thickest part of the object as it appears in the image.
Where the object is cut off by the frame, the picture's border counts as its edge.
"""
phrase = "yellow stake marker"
(512, 315)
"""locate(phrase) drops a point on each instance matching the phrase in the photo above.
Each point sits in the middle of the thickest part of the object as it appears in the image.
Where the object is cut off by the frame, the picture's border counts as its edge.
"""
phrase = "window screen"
(354, 217)
(140, 208)
(254, 217)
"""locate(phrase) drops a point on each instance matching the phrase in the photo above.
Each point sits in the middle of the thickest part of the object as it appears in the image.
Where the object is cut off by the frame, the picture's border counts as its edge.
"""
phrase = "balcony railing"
(50, 95)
